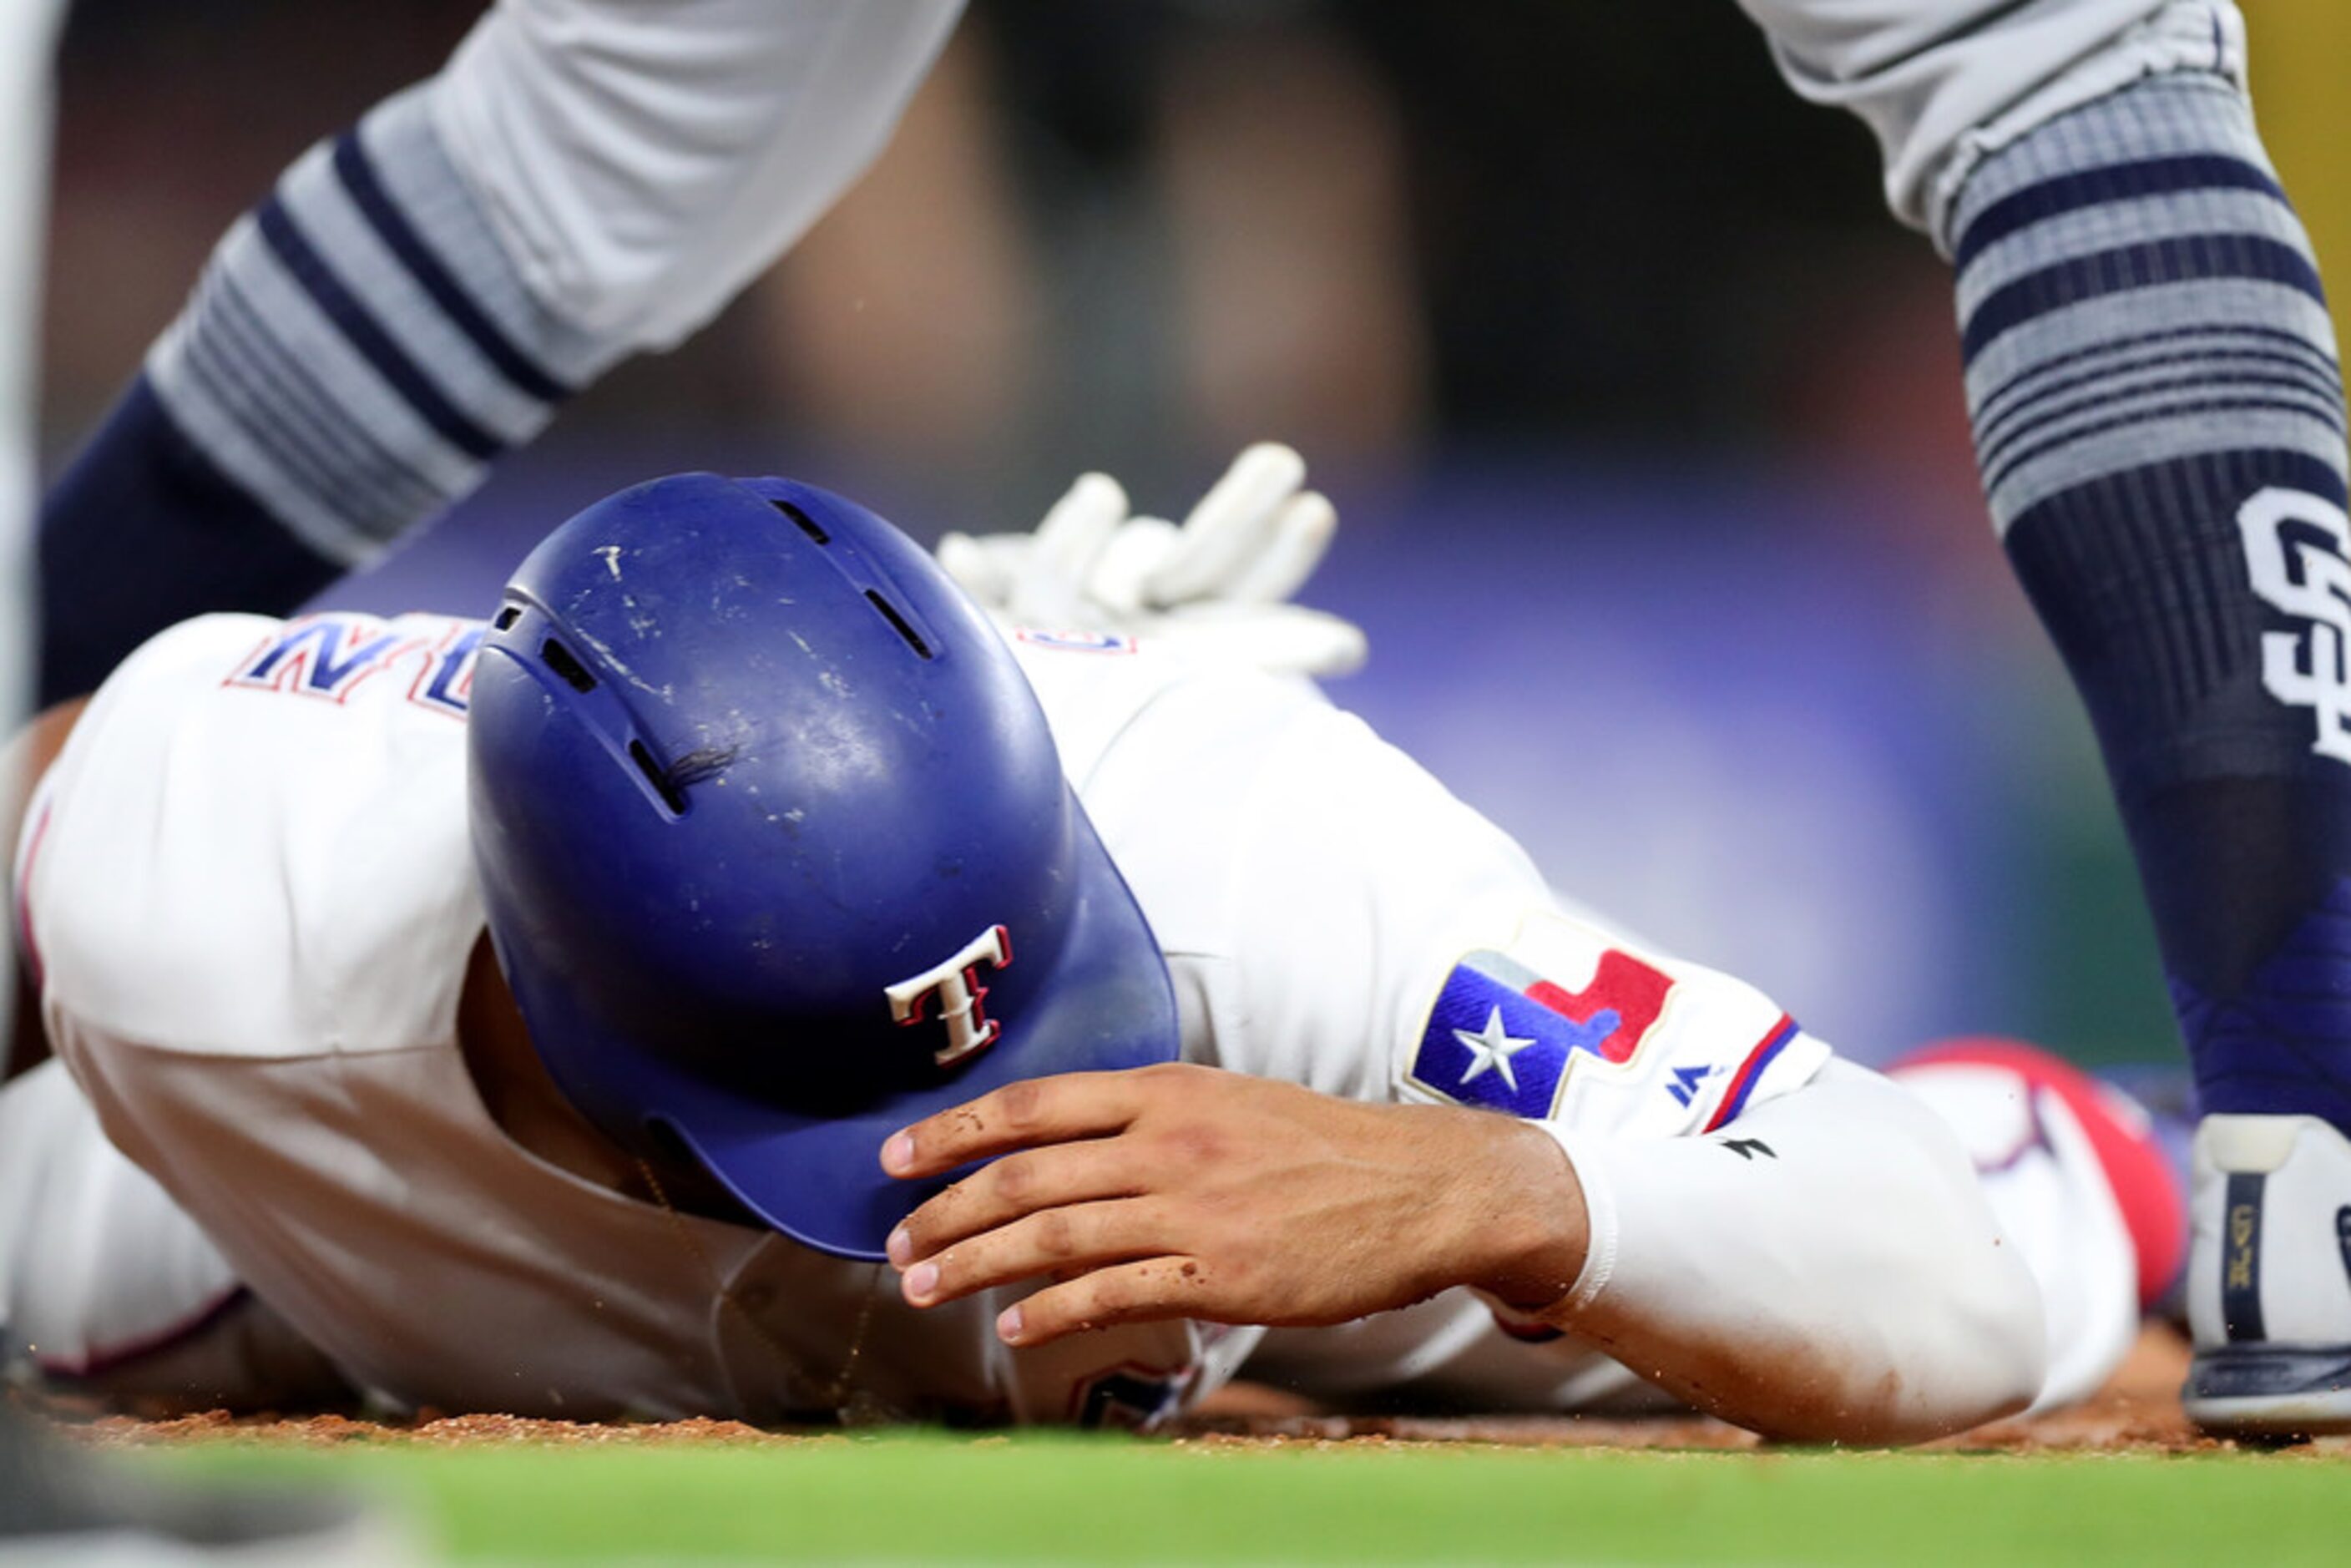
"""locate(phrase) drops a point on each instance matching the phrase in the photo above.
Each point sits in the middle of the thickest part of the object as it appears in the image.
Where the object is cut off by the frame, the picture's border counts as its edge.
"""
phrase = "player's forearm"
(1823, 1269)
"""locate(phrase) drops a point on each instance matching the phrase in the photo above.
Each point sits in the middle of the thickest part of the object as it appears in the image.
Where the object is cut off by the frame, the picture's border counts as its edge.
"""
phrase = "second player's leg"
(586, 179)
(2158, 418)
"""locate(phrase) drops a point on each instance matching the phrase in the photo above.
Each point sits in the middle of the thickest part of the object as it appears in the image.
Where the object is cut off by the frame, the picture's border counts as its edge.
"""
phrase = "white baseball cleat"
(2269, 1277)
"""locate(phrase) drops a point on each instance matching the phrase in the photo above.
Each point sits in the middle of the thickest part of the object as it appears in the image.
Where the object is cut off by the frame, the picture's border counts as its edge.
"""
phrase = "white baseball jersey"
(248, 885)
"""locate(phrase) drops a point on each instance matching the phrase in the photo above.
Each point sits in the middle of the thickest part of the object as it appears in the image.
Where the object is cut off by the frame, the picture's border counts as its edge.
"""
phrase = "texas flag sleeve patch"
(1561, 1023)
(1504, 1037)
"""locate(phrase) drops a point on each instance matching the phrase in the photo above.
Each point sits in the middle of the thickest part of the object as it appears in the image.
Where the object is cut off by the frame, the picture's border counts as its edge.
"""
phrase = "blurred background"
(1643, 418)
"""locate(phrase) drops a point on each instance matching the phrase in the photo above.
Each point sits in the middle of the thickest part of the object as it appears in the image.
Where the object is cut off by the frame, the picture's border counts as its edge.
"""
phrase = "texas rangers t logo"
(1503, 1037)
(955, 984)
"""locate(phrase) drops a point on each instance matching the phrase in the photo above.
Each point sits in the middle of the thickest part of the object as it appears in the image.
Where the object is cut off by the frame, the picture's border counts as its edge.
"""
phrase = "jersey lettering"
(451, 685)
(325, 655)
(329, 656)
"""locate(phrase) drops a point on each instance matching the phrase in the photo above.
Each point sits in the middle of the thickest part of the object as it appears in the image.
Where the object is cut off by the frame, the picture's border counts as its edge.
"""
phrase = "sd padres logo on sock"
(2294, 549)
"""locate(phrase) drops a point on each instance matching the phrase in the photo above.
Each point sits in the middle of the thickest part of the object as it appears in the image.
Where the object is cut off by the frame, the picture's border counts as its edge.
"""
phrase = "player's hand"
(1190, 1192)
(1218, 584)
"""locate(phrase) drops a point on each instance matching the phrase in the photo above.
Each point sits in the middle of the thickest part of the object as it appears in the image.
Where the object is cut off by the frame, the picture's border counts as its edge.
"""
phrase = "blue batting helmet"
(776, 851)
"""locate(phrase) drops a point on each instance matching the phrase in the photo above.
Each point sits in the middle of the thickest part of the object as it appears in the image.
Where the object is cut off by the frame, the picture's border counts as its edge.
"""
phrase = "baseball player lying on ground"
(2151, 374)
(598, 1010)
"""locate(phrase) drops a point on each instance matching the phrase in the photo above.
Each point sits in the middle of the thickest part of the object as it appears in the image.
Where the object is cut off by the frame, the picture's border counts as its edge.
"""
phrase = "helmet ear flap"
(775, 848)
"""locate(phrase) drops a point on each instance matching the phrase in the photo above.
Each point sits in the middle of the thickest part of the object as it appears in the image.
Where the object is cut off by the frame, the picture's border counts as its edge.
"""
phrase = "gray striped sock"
(2134, 289)
(2158, 418)
(360, 346)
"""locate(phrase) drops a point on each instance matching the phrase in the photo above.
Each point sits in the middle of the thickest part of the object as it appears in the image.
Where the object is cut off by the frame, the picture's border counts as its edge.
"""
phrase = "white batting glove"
(1218, 584)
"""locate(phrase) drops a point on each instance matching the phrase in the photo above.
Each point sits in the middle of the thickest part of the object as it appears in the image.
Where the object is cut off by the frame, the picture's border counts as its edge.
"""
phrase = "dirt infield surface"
(2137, 1412)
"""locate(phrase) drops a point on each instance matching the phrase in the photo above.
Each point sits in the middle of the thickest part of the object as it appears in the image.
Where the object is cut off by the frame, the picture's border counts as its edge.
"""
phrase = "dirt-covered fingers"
(1146, 1289)
(1029, 1182)
(1027, 1114)
(1063, 1243)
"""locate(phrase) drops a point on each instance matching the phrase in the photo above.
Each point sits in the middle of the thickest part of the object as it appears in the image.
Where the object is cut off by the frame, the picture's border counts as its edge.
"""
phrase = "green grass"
(912, 1499)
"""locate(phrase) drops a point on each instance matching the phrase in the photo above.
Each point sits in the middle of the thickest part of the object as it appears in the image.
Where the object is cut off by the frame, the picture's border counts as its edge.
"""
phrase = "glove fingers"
(1122, 572)
(981, 567)
(1329, 646)
(1302, 533)
(1049, 587)
(1311, 642)
(1228, 527)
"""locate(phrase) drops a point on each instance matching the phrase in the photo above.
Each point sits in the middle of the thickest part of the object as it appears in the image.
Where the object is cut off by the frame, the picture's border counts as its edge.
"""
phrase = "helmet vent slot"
(807, 525)
(898, 623)
(672, 796)
(558, 659)
(508, 617)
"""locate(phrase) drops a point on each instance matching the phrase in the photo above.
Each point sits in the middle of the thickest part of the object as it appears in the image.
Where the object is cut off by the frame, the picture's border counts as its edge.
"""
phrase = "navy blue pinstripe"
(2277, 345)
(2183, 259)
(345, 447)
(2225, 366)
(358, 176)
(2099, 187)
(1990, 449)
(1992, 478)
(367, 335)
